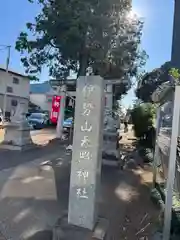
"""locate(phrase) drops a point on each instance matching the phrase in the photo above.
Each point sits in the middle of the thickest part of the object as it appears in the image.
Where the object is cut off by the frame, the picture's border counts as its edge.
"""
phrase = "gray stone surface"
(157, 236)
(17, 132)
(65, 231)
(110, 137)
(17, 135)
(111, 154)
(87, 152)
(19, 114)
(30, 203)
(101, 229)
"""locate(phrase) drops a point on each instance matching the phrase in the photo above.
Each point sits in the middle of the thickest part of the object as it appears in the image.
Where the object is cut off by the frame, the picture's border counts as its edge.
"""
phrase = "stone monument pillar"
(87, 152)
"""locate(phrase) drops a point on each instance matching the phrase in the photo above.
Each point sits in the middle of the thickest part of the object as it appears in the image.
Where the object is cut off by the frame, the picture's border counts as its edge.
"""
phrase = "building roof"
(45, 87)
(14, 73)
(40, 88)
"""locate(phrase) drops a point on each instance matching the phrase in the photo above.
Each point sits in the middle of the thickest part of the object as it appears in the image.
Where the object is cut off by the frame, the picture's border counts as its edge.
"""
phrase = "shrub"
(143, 120)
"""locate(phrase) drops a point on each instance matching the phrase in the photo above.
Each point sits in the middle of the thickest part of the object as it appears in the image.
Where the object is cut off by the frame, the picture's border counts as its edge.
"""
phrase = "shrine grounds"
(34, 190)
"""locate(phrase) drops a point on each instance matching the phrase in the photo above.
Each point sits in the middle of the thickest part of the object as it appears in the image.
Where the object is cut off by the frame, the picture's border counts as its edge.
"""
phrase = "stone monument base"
(65, 231)
(17, 136)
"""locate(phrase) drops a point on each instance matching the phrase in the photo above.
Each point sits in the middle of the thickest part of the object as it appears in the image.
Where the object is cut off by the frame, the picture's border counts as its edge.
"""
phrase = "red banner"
(55, 108)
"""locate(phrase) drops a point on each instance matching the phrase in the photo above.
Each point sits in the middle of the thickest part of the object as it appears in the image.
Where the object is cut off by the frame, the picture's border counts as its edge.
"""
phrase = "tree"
(143, 116)
(148, 82)
(71, 35)
(174, 73)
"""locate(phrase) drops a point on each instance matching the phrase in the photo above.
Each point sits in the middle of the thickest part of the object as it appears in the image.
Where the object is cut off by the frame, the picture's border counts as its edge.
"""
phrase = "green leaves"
(148, 82)
(174, 72)
(70, 35)
(143, 118)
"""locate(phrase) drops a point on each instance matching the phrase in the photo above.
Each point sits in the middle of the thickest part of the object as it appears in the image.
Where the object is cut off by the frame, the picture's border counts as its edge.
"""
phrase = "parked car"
(67, 124)
(38, 120)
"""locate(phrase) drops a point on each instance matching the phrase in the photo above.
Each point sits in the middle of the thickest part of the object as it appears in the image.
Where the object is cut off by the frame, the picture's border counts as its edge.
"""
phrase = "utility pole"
(5, 93)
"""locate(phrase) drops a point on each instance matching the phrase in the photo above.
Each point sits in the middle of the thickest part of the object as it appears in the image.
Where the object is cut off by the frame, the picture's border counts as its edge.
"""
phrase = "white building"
(16, 86)
(41, 94)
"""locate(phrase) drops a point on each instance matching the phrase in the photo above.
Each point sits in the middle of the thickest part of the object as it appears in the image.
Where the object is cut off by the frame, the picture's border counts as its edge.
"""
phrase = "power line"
(4, 47)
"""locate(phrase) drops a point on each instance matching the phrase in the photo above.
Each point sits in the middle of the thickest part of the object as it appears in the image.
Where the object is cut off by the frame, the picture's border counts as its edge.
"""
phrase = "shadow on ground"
(22, 199)
(124, 199)
(12, 158)
(45, 235)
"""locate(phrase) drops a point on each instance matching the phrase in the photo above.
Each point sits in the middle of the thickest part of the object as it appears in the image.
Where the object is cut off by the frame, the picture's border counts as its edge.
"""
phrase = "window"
(14, 103)
(9, 89)
(15, 80)
(38, 116)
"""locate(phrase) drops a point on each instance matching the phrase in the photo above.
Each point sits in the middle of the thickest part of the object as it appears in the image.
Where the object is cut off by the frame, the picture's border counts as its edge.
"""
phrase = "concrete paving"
(43, 136)
(39, 137)
(9, 159)
(34, 190)
(28, 197)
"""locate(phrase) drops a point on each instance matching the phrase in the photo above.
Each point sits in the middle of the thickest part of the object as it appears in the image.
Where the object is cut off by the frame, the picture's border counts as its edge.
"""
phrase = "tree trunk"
(83, 62)
(83, 58)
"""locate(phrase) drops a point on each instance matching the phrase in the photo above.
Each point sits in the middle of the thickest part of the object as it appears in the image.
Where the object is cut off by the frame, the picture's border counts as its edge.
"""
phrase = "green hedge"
(143, 116)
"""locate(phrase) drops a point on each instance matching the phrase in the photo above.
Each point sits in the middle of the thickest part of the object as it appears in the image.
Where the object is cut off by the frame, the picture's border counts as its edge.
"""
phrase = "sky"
(156, 39)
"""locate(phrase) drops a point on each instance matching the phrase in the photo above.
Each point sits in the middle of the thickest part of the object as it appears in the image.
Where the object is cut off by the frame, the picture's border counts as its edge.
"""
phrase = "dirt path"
(141, 215)
(128, 207)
